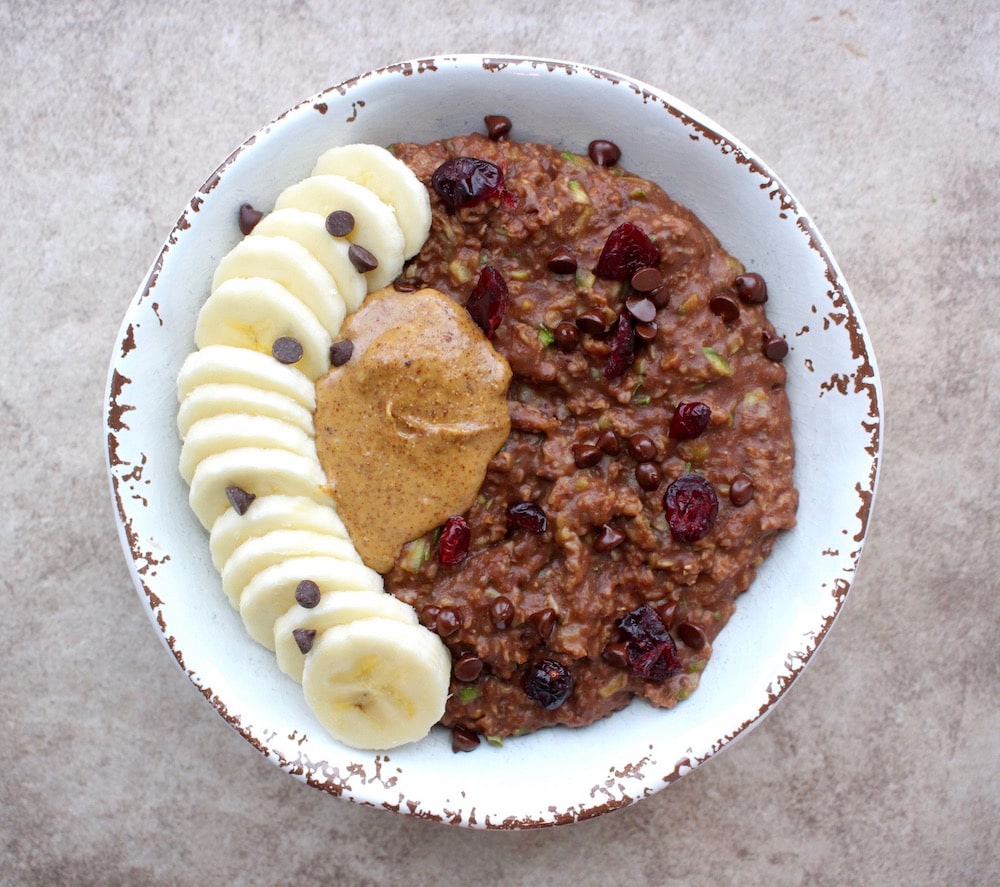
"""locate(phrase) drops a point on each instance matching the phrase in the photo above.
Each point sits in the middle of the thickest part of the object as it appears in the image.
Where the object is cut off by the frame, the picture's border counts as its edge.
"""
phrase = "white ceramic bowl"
(556, 775)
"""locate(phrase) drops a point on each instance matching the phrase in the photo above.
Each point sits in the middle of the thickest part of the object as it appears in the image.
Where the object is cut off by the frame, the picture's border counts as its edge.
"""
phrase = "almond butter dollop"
(406, 428)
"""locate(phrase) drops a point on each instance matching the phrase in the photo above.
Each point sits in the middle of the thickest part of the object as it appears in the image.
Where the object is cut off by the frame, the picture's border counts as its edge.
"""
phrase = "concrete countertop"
(882, 765)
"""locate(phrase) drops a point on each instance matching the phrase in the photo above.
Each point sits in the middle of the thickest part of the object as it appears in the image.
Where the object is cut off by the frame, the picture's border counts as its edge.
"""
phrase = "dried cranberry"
(465, 181)
(622, 349)
(650, 650)
(691, 506)
(547, 682)
(528, 516)
(488, 302)
(627, 249)
(689, 420)
(453, 545)
(463, 739)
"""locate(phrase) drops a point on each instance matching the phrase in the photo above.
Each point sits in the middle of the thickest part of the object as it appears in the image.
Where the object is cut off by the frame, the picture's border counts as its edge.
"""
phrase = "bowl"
(556, 775)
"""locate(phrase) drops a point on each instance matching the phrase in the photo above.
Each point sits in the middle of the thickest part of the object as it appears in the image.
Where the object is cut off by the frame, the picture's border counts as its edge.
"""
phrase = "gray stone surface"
(881, 766)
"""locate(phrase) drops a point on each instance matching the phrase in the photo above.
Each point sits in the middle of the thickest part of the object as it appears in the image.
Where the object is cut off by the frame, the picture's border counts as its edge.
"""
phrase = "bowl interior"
(556, 775)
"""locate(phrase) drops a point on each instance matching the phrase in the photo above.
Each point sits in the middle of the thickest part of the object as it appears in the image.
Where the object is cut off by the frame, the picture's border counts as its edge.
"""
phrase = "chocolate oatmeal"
(649, 465)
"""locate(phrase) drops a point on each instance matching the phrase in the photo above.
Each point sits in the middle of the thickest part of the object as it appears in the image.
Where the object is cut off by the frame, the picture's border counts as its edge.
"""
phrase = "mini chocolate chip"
(497, 126)
(339, 223)
(249, 217)
(428, 616)
(775, 348)
(608, 537)
(647, 279)
(562, 261)
(616, 654)
(641, 447)
(603, 152)
(543, 621)
(240, 499)
(586, 455)
(592, 323)
(341, 351)
(725, 307)
(287, 350)
(463, 739)
(648, 475)
(567, 336)
(307, 594)
(468, 667)
(609, 443)
(448, 621)
(751, 288)
(660, 296)
(740, 490)
(361, 259)
(304, 638)
(641, 308)
(667, 612)
(691, 635)
(501, 612)
(406, 285)
(646, 332)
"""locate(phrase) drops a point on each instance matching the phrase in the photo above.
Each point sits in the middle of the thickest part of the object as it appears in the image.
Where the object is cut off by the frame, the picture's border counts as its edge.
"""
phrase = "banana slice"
(228, 431)
(309, 229)
(292, 265)
(271, 513)
(254, 312)
(255, 470)
(334, 608)
(262, 552)
(231, 397)
(271, 592)
(227, 363)
(375, 225)
(376, 683)
(391, 180)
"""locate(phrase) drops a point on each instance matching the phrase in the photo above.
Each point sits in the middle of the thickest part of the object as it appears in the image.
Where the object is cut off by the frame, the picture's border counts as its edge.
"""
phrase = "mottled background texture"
(882, 765)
